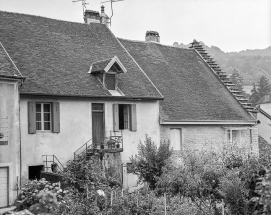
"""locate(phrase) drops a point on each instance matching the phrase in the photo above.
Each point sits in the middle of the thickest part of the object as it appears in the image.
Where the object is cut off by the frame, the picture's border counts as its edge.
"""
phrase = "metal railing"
(52, 164)
(82, 151)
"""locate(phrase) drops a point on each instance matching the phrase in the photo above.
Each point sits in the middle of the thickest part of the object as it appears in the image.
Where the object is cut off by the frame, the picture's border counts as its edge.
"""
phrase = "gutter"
(12, 77)
(208, 122)
(89, 97)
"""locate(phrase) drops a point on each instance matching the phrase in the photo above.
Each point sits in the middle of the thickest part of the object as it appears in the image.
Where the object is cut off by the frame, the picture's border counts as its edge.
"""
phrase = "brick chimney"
(152, 36)
(104, 18)
(91, 16)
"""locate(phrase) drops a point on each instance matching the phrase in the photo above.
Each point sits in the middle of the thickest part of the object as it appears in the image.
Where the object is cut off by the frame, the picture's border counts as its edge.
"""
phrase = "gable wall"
(264, 127)
(76, 129)
(10, 143)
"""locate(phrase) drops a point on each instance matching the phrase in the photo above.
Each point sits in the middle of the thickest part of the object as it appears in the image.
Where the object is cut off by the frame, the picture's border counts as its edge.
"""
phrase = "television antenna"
(83, 4)
(111, 1)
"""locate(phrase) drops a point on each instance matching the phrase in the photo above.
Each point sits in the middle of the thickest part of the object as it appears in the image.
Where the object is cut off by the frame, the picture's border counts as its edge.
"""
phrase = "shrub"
(148, 164)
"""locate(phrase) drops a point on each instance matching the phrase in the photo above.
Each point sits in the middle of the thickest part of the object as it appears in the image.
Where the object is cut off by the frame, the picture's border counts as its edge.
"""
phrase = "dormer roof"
(111, 64)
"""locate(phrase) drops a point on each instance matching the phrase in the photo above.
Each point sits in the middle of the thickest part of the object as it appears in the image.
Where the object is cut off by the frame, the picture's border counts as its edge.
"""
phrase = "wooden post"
(223, 212)
(165, 204)
(111, 198)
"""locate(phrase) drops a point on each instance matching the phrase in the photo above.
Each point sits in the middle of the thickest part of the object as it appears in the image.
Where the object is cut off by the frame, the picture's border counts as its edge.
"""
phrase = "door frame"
(99, 111)
(8, 180)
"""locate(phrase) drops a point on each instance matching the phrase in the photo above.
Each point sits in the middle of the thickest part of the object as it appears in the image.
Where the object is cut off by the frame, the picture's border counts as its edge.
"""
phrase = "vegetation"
(260, 89)
(193, 182)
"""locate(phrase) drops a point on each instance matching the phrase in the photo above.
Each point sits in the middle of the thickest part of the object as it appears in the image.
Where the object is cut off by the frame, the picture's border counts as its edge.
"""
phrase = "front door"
(97, 123)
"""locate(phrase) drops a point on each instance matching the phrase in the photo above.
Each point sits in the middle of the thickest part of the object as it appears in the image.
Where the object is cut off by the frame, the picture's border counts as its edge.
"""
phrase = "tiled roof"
(7, 68)
(191, 90)
(55, 56)
(99, 66)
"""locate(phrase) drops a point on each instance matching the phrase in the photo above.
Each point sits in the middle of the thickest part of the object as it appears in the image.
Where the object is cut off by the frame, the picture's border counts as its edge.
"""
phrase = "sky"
(231, 25)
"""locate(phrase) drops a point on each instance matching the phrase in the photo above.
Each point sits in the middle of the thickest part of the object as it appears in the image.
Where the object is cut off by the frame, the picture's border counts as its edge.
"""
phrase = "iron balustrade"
(54, 164)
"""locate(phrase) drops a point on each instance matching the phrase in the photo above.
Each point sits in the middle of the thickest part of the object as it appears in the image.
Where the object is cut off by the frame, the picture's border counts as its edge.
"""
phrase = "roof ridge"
(149, 42)
(137, 64)
(6, 53)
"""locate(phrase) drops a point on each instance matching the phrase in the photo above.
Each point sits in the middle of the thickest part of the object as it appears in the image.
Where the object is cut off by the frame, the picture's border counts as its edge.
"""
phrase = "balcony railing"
(52, 164)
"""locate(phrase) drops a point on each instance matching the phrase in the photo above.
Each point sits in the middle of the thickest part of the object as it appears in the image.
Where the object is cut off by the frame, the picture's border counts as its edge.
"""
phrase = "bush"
(148, 164)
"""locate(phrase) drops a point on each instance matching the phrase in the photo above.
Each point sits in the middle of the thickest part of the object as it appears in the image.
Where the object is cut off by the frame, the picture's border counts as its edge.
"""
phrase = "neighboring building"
(10, 81)
(265, 103)
(201, 107)
(264, 126)
(85, 88)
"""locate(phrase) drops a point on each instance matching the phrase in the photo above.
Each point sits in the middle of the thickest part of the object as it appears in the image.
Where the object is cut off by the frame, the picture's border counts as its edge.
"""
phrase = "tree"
(264, 87)
(148, 164)
(254, 94)
(237, 79)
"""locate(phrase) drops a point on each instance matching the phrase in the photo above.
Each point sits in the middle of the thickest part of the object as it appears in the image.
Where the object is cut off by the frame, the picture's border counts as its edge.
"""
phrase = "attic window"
(110, 81)
(107, 71)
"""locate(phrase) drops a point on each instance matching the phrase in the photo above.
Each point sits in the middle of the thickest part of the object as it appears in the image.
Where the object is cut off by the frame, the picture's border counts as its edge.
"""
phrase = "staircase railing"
(82, 151)
(52, 164)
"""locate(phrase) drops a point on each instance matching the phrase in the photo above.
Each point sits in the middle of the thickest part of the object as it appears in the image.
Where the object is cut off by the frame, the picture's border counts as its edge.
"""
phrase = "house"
(201, 107)
(76, 88)
(264, 126)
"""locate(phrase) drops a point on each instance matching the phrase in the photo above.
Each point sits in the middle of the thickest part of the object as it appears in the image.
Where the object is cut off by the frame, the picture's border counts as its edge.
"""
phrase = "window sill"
(39, 131)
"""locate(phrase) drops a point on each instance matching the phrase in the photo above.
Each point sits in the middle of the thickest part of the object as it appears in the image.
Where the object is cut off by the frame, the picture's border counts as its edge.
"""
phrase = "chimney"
(104, 18)
(91, 16)
(152, 36)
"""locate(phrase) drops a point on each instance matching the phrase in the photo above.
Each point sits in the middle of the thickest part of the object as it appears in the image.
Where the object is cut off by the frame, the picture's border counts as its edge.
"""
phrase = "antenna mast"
(111, 1)
(83, 5)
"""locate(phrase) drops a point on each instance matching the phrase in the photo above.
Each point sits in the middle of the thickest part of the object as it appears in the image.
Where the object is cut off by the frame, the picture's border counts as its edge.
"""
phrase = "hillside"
(251, 64)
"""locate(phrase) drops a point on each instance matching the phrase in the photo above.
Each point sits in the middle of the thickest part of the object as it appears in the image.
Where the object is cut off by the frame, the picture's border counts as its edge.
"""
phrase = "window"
(34, 172)
(176, 139)
(110, 81)
(43, 117)
(124, 116)
(233, 136)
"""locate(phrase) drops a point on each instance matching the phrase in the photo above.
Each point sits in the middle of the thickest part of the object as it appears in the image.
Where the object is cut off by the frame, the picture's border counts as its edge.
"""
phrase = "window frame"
(230, 135)
(42, 117)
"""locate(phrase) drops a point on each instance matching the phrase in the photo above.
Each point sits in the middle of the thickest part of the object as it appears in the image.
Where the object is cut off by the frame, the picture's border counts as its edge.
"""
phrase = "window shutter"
(133, 118)
(115, 117)
(31, 117)
(55, 118)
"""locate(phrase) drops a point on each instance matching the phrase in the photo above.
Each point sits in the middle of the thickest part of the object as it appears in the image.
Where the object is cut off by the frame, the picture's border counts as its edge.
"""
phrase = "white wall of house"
(266, 107)
(76, 129)
(205, 137)
(264, 127)
(10, 141)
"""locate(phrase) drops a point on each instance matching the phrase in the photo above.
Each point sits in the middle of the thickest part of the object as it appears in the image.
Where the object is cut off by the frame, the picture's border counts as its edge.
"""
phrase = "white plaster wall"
(199, 137)
(266, 107)
(10, 154)
(264, 127)
(76, 129)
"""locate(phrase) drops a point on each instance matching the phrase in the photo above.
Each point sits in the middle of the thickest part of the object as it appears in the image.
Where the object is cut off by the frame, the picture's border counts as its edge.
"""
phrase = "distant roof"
(7, 67)
(191, 90)
(55, 56)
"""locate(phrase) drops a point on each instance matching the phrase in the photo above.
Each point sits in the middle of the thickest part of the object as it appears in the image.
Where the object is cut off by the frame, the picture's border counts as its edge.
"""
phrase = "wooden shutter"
(133, 118)
(115, 117)
(31, 117)
(55, 118)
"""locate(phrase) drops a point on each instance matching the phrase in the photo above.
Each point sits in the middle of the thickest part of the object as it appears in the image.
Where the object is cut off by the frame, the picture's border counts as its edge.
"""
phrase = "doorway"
(97, 123)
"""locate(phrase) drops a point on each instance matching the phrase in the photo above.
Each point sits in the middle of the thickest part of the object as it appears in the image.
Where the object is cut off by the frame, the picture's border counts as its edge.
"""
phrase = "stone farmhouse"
(70, 90)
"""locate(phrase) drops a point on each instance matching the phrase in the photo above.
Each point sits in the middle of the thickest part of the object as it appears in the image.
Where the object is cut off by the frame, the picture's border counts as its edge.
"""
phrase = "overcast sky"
(231, 25)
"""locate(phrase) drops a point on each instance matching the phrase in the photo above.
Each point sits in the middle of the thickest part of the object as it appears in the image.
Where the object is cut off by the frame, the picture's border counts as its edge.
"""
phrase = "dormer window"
(107, 72)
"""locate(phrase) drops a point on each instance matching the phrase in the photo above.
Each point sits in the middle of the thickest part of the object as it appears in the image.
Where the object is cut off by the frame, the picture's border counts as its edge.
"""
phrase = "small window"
(110, 81)
(176, 139)
(233, 136)
(43, 116)
(129, 168)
